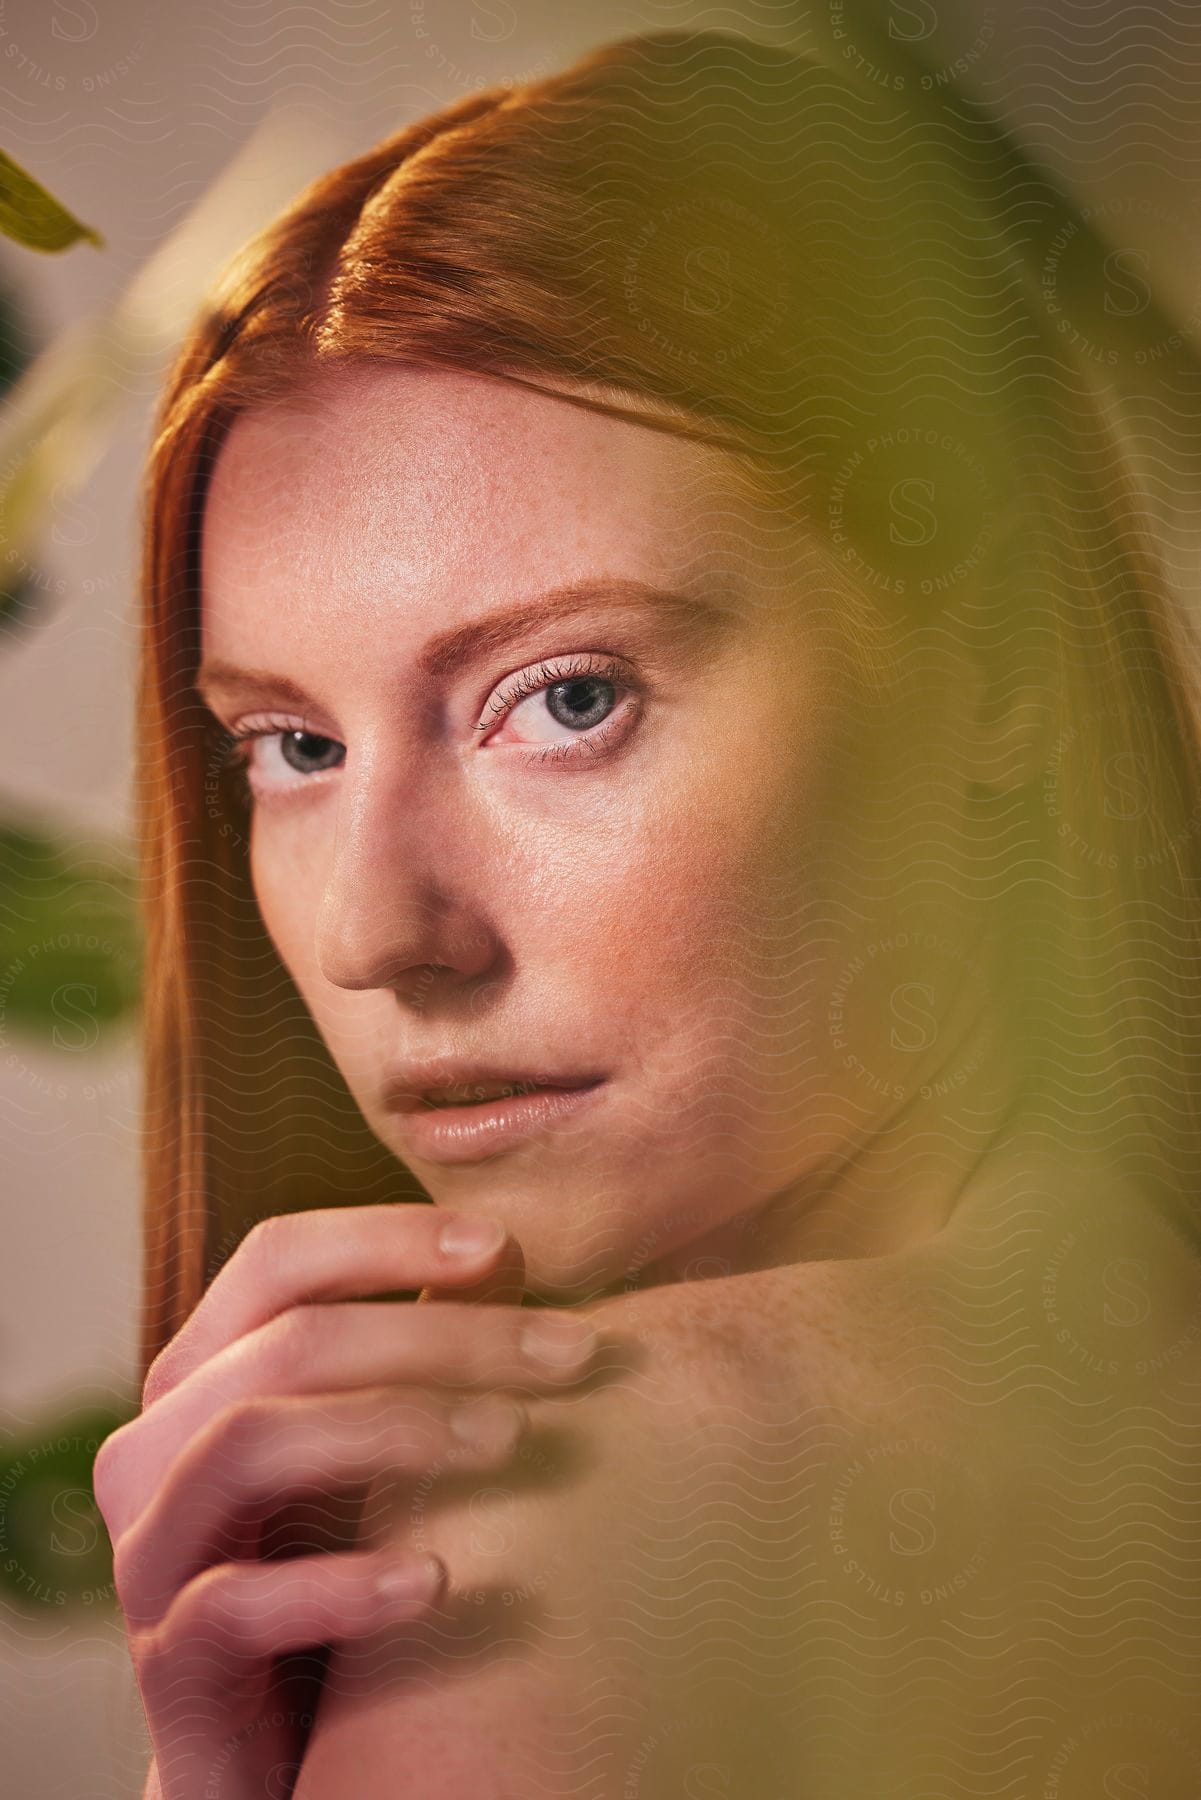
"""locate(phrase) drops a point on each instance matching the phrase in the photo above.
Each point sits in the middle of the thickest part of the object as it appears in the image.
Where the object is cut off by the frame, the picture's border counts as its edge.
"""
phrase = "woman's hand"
(264, 1423)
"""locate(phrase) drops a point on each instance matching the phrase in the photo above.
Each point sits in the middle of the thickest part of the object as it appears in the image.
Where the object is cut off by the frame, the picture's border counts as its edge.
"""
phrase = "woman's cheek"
(693, 875)
(286, 874)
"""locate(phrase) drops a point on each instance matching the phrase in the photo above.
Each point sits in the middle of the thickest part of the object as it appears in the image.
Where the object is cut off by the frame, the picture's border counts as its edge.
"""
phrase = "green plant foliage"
(70, 944)
(54, 1549)
(35, 218)
(22, 598)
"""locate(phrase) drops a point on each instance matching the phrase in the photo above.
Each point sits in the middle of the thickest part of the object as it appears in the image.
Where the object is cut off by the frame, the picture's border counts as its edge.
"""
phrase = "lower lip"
(455, 1134)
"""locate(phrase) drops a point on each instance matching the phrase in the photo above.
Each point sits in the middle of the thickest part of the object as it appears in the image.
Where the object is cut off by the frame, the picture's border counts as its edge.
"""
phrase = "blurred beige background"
(135, 115)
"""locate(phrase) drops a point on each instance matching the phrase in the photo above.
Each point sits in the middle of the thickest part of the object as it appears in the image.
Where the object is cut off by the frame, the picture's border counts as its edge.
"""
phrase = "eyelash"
(504, 699)
(537, 679)
(236, 753)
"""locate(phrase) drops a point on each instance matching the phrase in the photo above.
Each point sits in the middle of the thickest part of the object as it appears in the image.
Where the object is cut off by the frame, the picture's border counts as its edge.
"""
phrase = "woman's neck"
(896, 1188)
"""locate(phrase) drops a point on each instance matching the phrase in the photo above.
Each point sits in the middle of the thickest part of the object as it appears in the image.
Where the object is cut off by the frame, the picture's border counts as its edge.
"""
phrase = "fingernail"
(407, 1584)
(471, 1237)
(490, 1425)
(558, 1343)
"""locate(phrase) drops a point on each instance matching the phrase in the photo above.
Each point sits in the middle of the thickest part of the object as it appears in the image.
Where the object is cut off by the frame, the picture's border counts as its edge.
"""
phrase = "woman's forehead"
(435, 475)
(453, 426)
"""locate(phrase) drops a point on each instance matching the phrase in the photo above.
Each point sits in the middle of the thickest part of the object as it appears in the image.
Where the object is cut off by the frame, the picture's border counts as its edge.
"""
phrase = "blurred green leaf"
(57, 420)
(70, 944)
(35, 218)
(54, 1549)
(21, 603)
(18, 342)
(22, 597)
(54, 424)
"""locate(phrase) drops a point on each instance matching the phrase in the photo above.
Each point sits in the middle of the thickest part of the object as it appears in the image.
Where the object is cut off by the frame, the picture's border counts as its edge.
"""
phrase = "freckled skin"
(647, 914)
(762, 1495)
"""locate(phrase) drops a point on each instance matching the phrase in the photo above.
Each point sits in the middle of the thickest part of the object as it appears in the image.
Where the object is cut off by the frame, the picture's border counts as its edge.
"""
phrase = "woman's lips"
(450, 1130)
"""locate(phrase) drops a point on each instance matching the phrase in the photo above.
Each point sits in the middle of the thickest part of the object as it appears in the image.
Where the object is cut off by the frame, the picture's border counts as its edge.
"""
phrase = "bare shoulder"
(590, 1582)
(980, 1437)
(1101, 1274)
(603, 1588)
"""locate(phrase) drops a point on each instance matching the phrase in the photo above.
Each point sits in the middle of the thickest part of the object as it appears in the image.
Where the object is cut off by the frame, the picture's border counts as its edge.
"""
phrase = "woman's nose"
(402, 897)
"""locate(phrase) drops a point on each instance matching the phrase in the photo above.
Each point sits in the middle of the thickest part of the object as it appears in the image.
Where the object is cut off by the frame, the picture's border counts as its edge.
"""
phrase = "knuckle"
(265, 1244)
(204, 1606)
(158, 1376)
(288, 1343)
(197, 1617)
(107, 1469)
(127, 1564)
(237, 1436)
(151, 1650)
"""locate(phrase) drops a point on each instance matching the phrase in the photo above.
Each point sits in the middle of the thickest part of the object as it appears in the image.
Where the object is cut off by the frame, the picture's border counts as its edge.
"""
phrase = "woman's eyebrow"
(687, 614)
(699, 620)
(216, 677)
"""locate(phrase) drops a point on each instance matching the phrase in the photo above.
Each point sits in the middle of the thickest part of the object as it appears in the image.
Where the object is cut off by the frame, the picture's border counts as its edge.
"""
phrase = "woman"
(660, 723)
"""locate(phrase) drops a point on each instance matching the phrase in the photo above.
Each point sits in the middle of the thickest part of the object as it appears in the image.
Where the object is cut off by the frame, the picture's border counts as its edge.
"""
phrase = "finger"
(224, 1625)
(324, 1349)
(256, 1456)
(331, 1254)
(501, 1283)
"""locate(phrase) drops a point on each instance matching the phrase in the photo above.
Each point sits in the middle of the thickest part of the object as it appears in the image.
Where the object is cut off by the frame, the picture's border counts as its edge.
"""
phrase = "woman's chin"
(559, 1272)
(571, 1254)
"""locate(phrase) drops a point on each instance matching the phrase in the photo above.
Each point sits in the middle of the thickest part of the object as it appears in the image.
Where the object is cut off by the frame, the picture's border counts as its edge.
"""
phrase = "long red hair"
(783, 258)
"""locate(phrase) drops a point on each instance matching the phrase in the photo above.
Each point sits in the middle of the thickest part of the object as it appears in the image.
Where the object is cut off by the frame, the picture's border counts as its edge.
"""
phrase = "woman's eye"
(559, 710)
(278, 759)
(577, 705)
(308, 754)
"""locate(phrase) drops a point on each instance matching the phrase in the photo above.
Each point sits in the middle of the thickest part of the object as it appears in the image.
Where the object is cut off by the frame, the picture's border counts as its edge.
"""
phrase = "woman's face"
(538, 729)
